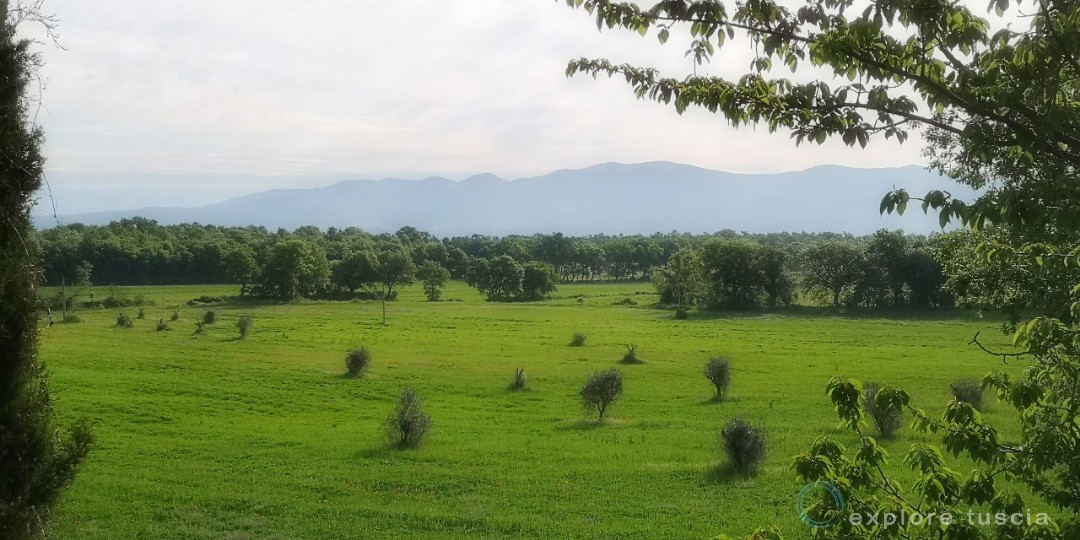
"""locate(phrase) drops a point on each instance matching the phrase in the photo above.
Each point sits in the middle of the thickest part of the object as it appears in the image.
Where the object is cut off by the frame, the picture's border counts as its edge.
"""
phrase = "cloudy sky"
(182, 103)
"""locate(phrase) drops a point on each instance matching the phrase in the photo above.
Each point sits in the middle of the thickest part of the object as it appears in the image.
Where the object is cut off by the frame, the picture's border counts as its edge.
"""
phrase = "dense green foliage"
(36, 463)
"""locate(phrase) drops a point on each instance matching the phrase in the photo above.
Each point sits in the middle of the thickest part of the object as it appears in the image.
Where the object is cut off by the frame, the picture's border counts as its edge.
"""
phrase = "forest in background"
(727, 269)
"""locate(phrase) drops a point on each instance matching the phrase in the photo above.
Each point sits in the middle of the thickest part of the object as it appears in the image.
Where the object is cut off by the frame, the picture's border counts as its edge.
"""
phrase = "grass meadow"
(214, 437)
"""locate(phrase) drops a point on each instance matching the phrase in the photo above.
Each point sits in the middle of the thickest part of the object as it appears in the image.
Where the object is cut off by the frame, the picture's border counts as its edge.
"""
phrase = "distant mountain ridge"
(611, 198)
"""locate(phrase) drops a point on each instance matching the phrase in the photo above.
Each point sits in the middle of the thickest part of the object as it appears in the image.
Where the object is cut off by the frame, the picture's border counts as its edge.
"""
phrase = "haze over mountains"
(611, 198)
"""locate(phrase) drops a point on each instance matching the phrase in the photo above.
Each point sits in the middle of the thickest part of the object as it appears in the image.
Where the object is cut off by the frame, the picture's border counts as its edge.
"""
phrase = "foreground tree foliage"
(36, 463)
(998, 100)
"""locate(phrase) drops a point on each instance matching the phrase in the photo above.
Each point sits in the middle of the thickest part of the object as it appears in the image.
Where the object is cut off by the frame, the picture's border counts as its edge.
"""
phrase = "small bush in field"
(210, 317)
(681, 314)
(200, 328)
(162, 326)
(142, 314)
(175, 316)
(887, 418)
(578, 340)
(71, 318)
(968, 391)
(745, 444)
(520, 381)
(408, 426)
(718, 371)
(631, 356)
(123, 321)
(244, 324)
(356, 361)
(600, 390)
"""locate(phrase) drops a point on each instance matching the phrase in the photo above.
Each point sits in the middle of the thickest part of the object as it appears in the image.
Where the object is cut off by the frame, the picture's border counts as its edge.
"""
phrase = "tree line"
(888, 269)
(884, 270)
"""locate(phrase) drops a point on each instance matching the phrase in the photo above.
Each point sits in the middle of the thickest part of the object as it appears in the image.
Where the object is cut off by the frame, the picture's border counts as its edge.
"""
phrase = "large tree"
(832, 266)
(35, 462)
(395, 268)
(295, 268)
(733, 273)
(682, 280)
(998, 98)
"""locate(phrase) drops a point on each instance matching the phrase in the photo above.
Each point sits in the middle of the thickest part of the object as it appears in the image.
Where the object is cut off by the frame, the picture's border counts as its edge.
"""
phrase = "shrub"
(408, 426)
(520, 381)
(581, 299)
(142, 314)
(200, 328)
(205, 300)
(626, 302)
(71, 318)
(600, 390)
(745, 444)
(968, 391)
(210, 317)
(631, 356)
(162, 326)
(681, 314)
(356, 361)
(175, 316)
(718, 371)
(113, 302)
(887, 418)
(123, 321)
(244, 324)
(578, 340)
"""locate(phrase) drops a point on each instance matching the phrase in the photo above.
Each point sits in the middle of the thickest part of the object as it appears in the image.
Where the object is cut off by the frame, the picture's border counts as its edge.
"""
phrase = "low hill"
(611, 198)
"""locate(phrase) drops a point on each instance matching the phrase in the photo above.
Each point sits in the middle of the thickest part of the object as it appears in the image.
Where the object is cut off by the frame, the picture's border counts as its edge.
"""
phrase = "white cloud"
(374, 88)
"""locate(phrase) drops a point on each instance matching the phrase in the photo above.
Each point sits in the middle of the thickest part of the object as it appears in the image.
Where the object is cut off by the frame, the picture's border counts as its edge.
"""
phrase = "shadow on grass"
(583, 425)
(724, 473)
(817, 312)
(378, 452)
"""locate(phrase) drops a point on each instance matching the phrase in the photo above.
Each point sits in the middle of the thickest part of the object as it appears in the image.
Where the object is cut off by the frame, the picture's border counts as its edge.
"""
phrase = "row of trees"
(887, 269)
(139, 251)
(724, 270)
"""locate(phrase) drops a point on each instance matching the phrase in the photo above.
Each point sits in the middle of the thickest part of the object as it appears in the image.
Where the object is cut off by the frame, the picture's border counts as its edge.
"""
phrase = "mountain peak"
(483, 178)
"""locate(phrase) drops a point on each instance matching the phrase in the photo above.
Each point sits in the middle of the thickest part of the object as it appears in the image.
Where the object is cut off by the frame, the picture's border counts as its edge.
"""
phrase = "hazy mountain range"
(611, 198)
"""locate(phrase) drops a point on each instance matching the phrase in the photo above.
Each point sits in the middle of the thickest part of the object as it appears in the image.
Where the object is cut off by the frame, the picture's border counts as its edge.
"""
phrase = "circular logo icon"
(812, 495)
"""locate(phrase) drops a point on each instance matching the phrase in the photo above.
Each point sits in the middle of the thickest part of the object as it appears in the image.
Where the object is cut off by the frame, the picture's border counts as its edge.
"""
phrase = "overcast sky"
(238, 96)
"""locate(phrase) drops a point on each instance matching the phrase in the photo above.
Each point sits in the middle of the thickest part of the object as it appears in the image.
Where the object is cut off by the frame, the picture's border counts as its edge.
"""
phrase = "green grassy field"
(214, 437)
